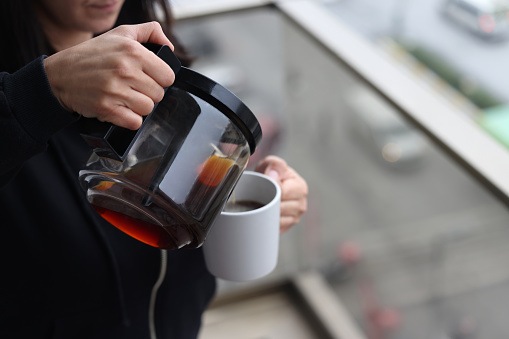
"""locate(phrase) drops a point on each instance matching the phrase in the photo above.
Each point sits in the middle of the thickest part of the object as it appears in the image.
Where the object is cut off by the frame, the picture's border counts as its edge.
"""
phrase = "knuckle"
(109, 91)
(123, 68)
(303, 208)
(158, 95)
(156, 25)
(101, 107)
(146, 107)
(122, 28)
(130, 47)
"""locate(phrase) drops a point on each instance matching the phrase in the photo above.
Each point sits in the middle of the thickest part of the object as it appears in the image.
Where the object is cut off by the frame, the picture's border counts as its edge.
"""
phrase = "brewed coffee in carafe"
(166, 183)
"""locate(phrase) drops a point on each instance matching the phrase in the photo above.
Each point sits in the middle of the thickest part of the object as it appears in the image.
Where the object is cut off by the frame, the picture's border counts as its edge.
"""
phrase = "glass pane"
(414, 247)
(412, 244)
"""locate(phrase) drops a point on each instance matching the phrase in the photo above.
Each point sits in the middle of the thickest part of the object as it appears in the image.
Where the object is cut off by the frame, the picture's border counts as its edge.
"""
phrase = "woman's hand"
(294, 189)
(112, 77)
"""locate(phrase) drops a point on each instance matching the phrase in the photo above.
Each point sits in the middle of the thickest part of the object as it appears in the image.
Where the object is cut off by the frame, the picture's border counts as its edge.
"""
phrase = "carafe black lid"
(114, 142)
(223, 100)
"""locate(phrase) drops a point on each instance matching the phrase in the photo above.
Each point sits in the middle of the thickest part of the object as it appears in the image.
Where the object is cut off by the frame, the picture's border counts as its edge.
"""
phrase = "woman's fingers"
(146, 32)
(294, 190)
(112, 77)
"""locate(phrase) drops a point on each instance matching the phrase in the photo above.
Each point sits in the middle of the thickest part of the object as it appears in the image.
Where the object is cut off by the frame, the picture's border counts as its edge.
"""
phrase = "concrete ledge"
(303, 306)
(326, 306)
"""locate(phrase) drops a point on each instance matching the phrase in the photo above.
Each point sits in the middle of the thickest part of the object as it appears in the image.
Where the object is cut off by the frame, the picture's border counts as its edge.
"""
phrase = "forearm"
(29, 115)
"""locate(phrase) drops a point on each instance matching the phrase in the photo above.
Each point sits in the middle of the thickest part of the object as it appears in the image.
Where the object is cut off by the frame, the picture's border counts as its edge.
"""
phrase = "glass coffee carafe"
(165, 183)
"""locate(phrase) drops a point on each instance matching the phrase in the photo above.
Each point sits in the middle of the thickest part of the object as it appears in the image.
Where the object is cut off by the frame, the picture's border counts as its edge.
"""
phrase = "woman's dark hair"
(22, 38)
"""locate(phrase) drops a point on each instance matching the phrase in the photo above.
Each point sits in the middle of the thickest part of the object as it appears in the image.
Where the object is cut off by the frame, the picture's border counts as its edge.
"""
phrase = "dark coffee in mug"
(241, 206)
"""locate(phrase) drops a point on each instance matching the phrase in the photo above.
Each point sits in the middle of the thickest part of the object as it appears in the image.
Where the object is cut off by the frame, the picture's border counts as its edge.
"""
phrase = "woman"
(66, 272)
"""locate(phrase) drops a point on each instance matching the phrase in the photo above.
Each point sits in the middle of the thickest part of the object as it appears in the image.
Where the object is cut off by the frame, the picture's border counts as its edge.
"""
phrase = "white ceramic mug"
(244, 246)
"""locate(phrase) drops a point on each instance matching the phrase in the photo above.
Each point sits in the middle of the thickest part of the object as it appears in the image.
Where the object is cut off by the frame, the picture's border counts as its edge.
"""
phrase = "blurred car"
(485, 18)
(392, 139)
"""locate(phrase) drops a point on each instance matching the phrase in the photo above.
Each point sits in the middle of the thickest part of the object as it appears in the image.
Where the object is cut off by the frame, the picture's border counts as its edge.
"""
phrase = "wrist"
(52, 69)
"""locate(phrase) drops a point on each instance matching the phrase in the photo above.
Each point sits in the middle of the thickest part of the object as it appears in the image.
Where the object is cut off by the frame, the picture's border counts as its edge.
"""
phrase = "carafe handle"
(112, 141)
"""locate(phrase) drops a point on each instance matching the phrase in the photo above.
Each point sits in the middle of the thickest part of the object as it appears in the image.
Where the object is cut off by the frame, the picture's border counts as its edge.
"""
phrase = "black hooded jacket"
(67, 273)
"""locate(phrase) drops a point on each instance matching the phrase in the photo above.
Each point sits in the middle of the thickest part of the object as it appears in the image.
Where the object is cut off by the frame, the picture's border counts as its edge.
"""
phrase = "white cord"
(153, 296)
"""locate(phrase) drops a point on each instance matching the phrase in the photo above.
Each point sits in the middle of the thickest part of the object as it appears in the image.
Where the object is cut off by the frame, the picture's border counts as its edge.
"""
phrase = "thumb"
(149, 32)
(273, 167)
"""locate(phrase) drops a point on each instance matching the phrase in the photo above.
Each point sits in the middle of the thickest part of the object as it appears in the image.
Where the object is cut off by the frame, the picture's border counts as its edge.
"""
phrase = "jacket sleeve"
(29, 115)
